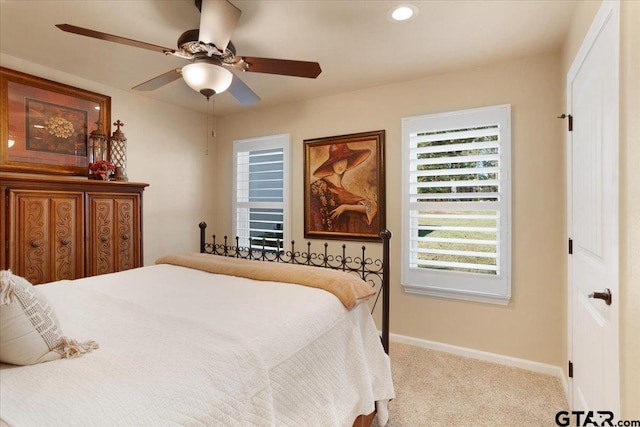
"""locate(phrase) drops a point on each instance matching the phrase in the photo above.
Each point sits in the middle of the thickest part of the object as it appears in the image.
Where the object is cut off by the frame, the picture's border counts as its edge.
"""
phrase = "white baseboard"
(500, 359)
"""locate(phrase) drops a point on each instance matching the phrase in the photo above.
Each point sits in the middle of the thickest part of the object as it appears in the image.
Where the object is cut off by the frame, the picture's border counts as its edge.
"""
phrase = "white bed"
(181, 347)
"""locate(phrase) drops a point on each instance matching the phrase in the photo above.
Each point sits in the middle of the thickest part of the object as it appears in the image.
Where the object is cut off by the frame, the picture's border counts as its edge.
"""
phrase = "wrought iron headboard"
(373, 271)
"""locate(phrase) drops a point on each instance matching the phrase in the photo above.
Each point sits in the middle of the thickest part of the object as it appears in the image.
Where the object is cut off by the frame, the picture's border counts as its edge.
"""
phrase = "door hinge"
(570, 369)
(570, 246)
(570, 117)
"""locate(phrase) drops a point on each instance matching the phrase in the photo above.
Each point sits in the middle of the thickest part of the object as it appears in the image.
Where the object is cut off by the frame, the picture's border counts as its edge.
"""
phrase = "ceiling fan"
(211, 53)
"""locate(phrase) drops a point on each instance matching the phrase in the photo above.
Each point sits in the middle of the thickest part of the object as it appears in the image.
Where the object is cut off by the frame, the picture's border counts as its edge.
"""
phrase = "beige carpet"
(441, 389)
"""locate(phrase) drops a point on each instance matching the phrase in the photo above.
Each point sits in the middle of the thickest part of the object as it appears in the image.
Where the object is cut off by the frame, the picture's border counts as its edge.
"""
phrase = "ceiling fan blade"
(284, 67)
(111, 38)
(242, 92)
(159, 81)
(218, 19)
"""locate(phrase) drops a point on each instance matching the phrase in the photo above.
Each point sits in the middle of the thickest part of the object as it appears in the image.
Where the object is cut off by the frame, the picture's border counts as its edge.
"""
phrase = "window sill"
(459, 295)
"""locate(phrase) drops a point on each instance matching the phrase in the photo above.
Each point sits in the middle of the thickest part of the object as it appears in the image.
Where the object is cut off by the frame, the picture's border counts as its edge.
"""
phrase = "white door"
(592, 85)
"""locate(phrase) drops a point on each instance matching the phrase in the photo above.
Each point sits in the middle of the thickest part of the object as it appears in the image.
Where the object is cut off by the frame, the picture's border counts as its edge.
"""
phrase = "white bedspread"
(182, 347)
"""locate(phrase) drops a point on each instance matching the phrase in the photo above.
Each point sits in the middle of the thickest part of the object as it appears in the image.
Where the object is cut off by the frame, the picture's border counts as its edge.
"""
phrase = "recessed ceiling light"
(403, 12)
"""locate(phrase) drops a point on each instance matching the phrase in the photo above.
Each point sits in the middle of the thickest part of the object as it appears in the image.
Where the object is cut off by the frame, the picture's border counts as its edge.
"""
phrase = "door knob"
(605, 296)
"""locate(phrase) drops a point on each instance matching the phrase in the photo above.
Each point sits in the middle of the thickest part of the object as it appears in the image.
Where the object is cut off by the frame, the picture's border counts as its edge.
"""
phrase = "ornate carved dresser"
(55, 228)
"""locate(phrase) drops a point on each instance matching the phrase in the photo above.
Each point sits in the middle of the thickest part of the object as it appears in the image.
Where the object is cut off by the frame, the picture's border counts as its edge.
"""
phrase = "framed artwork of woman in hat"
(344, 186)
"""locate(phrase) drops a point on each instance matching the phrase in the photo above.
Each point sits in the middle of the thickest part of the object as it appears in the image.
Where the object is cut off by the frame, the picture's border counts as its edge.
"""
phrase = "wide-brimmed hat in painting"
(339, 152)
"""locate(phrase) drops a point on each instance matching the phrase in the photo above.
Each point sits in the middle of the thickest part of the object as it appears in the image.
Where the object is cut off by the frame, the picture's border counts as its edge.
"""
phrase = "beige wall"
(533, 324)
(165, 148)
(629, 177)
(630, 209)
(583, 15)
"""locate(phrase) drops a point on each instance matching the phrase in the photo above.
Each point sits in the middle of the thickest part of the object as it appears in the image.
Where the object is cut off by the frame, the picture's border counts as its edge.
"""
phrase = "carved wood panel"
(114, 232)
(101, 236)
(66, 238)
(47, 235)
(126, 217)
(31, 232)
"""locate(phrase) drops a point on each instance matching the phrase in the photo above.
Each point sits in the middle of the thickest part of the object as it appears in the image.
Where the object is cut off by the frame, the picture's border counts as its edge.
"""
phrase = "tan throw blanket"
(349, 289)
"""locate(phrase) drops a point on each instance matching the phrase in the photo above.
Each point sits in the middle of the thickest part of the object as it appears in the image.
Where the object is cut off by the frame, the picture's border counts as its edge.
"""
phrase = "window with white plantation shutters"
(261, 188)
(456, 207)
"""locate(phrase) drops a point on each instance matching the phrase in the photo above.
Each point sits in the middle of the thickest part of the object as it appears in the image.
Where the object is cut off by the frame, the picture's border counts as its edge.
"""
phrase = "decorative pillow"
(29, 330)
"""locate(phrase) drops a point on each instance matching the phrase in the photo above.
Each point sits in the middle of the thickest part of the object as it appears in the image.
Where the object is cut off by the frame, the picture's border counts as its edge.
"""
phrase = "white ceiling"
(355, 42)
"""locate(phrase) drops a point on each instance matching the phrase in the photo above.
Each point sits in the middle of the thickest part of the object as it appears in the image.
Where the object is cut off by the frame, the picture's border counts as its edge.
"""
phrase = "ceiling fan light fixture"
(205, 76)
